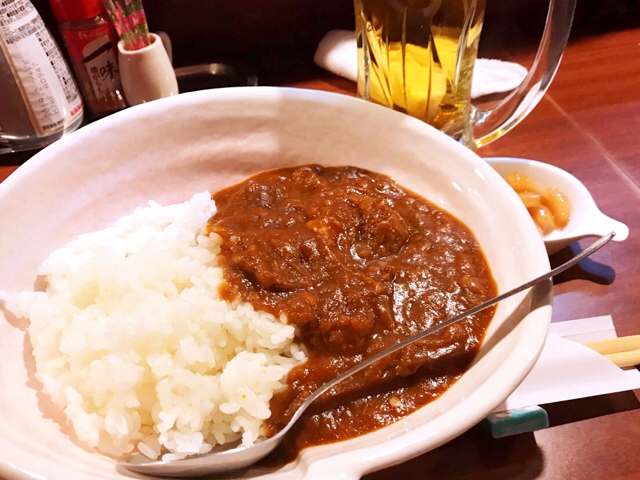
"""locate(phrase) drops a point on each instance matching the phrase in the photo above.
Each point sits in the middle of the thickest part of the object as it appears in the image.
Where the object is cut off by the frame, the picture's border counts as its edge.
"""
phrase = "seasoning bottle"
(92, 45)
(39, 101)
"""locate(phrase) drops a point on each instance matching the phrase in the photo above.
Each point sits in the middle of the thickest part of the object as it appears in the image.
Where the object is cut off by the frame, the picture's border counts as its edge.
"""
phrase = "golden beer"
(417, 56)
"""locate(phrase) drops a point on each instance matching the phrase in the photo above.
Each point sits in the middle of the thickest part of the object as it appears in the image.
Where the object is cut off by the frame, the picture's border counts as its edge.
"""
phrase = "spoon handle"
(602, 241)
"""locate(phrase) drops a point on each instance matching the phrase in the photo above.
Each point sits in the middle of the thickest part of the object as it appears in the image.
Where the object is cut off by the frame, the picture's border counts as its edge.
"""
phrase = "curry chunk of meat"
(298, 241)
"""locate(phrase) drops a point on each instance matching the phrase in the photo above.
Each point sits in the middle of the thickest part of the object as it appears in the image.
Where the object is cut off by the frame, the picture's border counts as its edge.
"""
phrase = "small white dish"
(586, 218)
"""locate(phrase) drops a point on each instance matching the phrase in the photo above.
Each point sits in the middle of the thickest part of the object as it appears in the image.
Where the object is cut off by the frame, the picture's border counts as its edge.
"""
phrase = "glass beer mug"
(417, 56)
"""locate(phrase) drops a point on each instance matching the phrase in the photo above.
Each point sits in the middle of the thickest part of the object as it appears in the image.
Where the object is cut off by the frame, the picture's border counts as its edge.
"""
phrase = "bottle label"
(95, 48)
(42, 75)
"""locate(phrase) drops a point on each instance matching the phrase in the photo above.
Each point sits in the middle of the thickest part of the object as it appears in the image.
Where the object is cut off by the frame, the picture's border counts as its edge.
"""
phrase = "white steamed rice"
(132, 340)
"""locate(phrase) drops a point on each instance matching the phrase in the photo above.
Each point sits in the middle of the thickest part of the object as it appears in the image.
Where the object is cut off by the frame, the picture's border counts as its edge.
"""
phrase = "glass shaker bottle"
(39, 101)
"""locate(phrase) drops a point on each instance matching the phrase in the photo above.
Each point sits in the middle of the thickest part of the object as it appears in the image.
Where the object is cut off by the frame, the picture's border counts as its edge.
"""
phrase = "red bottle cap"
(75, 10)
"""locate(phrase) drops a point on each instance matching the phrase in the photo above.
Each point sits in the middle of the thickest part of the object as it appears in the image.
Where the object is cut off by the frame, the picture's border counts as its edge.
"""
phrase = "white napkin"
(568, 370)
(338, 53)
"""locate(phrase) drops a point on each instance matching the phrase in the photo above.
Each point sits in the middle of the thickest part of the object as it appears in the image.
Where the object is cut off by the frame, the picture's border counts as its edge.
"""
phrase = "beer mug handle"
(490, 124)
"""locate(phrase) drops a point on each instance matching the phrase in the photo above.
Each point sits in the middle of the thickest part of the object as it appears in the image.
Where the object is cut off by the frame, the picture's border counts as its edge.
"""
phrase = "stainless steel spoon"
(234, 457)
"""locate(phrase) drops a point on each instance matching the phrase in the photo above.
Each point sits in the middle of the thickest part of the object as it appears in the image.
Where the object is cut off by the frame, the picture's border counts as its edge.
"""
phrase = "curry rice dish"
(169, 333)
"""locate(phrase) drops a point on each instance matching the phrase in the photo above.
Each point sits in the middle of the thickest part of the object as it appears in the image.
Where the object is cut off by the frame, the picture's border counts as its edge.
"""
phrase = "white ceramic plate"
(169, 149)
(586, 219)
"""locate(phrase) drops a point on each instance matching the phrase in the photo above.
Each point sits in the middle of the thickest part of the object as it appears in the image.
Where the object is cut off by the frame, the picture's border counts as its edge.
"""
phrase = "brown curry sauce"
(357, 263)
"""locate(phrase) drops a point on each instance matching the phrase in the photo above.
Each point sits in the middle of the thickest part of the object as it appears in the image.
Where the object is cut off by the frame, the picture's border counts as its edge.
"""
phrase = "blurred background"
(277, 38)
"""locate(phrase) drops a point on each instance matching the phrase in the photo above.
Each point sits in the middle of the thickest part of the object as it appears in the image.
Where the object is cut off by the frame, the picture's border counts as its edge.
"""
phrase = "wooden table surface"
(588, 124)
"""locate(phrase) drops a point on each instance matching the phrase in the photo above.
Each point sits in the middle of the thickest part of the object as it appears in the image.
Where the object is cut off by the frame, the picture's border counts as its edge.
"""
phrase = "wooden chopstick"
(630, 358)
(615, 345)
(622, 351)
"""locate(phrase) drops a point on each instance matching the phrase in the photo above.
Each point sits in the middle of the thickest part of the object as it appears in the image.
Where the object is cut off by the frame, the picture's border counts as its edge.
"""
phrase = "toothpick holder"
(147, 73)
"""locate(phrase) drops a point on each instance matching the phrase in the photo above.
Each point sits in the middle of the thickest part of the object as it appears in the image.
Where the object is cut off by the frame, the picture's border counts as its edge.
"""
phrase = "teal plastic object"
(513, 422)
